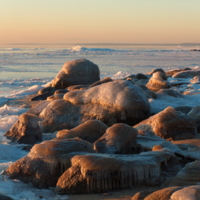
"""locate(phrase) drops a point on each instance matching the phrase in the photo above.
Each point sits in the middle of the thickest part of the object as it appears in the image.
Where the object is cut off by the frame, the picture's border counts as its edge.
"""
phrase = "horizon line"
(101, 43)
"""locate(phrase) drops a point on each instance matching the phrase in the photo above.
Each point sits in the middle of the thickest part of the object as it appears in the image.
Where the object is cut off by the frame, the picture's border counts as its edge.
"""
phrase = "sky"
(99, 21)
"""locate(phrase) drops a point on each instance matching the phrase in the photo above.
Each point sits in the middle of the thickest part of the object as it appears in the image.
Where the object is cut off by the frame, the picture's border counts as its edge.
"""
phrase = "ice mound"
(120, 75)
(8, 110)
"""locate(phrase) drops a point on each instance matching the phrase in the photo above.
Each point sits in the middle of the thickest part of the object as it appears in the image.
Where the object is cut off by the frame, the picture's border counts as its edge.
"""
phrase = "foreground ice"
(20, 94)
(9, 153)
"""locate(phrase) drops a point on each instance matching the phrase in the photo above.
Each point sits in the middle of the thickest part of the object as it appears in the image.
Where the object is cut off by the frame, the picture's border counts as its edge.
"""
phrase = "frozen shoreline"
(19, 99)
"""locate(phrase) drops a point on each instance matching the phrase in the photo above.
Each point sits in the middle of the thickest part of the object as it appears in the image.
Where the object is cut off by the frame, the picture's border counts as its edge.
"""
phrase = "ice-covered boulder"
(119, 138)
(90, 131)
(170, 123)
(47, 161)
(103, 172)
(112, 102)
(26, 130)
(158, 81)
(76, 72)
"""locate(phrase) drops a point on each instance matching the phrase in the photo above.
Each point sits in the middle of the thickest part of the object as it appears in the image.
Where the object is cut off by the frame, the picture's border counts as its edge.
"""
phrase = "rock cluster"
(106, 138)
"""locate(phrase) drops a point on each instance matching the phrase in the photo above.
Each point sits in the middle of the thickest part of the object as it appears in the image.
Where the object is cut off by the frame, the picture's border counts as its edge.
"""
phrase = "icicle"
(114, 184)
(139, 175)
(94, 184)
(106, 180)
(98, 181)
(146, 172)
(118, 186)
(102, 183)
(135, 176)
(155, 171)
(88, 184)
(122, 178)
(130, 178)
(110, 182)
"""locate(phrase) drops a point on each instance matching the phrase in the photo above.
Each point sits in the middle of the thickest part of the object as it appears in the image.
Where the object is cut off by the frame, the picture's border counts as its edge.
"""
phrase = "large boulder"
(170, 124)
(158, 81)
(112, 102)
(101, 173)
(76, 72)
(90, 131)
(47, 161)
(119, 138)
(26, 130)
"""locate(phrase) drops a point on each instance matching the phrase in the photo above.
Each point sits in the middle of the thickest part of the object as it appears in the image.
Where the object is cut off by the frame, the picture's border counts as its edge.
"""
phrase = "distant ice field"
(24, 66)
